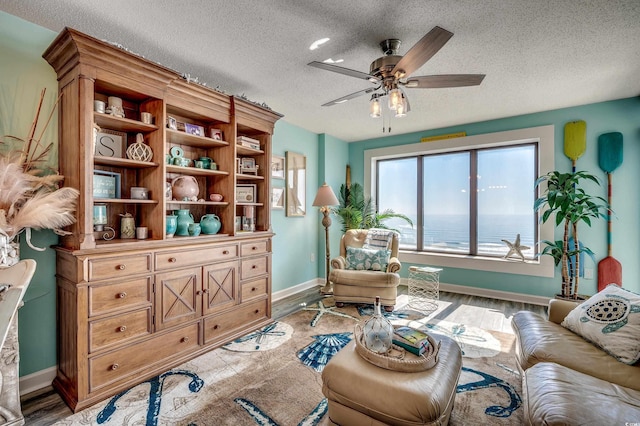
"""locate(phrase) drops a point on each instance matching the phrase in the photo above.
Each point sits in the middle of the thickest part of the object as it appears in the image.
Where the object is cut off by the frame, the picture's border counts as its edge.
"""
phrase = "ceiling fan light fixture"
(395, 98)
(401, 109)
(375, 110)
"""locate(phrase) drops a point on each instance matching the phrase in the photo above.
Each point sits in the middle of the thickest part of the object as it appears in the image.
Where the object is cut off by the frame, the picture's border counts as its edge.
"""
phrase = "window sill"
(543, 267)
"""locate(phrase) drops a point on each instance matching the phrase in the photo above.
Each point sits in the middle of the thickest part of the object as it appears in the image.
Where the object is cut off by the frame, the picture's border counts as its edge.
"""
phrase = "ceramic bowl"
(215, 197)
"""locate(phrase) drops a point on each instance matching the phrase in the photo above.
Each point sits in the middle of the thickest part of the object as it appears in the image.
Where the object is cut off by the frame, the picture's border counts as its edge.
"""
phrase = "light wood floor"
(45, 407)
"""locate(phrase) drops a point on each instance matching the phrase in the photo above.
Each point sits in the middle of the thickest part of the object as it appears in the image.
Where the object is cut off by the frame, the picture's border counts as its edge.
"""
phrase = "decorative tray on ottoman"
(398, 359)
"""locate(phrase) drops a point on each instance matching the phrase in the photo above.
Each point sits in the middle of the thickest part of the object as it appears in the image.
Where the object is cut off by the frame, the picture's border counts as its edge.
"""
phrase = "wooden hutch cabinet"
(130, 308)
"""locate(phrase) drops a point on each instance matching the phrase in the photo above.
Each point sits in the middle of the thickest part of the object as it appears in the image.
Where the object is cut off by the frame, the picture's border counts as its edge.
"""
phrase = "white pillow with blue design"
(610, 320)
(367, 259)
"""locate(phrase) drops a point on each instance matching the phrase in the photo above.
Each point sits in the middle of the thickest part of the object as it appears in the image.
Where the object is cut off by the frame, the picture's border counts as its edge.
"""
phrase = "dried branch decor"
(30, 196)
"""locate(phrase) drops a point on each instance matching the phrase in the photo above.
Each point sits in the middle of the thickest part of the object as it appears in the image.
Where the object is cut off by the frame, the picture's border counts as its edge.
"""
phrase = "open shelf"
(122, 124)
(182, 138)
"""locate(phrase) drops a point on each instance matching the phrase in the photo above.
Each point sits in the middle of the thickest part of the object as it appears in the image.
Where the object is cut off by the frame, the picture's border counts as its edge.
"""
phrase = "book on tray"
(411, 339)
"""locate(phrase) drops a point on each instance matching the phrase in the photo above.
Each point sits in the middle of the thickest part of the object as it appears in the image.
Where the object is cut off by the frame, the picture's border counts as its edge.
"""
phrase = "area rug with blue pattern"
(273, 376)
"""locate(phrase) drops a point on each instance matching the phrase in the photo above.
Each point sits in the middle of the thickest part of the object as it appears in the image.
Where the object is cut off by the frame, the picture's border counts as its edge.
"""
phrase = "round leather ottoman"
(360, 393)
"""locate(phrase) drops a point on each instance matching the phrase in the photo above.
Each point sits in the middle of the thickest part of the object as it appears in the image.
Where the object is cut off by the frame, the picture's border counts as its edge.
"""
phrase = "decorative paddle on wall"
(609, 158)
(575, 144)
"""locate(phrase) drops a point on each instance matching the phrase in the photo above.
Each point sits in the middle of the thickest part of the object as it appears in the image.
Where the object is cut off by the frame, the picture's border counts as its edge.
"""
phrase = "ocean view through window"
(465, 196)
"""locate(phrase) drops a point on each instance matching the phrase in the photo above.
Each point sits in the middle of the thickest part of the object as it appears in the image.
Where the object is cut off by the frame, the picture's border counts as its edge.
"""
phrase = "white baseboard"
(281, 294)
(38, 380)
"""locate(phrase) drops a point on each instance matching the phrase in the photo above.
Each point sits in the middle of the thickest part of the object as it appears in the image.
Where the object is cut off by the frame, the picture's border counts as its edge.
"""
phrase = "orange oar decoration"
(609, 158)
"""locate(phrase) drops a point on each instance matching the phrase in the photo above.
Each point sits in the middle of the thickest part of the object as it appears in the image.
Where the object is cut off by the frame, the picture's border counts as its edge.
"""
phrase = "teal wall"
(23, 73)
(620, 115)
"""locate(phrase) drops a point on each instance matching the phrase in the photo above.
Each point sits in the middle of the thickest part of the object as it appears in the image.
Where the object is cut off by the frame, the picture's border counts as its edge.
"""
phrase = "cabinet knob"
(257, 311)
(198, 293)
(205, 291)
(122, 328)
(172, 260)
(225, 252)
(115, 366)
(215, 327)
(254, 248)
(185, 339)
(122, 267)
(122, 295)
(253, 289)
(253, 266)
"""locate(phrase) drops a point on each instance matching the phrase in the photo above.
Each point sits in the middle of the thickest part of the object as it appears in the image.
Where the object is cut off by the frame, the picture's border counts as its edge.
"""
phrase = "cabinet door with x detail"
(178, 297)
(220, 286)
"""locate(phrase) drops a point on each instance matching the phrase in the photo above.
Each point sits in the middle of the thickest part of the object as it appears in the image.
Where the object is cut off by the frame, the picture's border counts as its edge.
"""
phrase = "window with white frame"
(465, 196)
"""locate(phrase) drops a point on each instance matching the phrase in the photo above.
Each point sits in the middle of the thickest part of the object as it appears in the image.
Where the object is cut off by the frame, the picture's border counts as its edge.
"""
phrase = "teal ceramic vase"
(172, 225)
(194, 229)
(210, 224)
(184, 219)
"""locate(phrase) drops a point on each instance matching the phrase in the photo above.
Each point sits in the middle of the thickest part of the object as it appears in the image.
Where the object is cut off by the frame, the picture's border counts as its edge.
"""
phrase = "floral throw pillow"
(367, 259)
(610, 320)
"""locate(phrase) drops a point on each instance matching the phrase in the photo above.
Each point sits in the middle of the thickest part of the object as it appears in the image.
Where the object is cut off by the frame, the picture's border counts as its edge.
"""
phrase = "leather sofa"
(568, 380)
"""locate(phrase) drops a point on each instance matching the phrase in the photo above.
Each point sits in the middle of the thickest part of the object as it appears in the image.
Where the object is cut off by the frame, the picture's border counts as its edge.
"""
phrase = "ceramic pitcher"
(185, 218)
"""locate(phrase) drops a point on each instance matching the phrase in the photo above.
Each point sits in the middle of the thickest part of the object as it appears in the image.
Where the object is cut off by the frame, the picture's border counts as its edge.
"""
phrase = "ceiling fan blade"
(423, 50)
(447, 80)
(344, 71)
(351, 96)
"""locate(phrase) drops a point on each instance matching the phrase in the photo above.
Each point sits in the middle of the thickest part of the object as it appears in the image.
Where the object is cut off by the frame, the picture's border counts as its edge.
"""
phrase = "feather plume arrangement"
(30, 195)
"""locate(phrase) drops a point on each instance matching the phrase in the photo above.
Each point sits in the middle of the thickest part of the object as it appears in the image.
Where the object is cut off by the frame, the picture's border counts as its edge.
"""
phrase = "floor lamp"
(325, 198)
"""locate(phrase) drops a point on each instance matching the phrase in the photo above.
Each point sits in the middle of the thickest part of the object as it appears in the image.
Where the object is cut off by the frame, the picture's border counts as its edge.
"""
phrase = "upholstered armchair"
(367, 267)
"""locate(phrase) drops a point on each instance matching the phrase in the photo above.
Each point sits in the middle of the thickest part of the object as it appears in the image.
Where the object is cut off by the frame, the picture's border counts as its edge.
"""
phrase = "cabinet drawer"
(254, 247)
(121, 328)
(254, 288)
(123, 363)
(176, 259)
(217, 327)
(254, 267)
(122, 266)
(119, 296)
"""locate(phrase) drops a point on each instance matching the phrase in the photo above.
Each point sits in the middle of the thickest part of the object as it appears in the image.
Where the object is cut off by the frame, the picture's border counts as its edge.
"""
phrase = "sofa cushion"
(556, 395)
(610, 320)
(367, 259)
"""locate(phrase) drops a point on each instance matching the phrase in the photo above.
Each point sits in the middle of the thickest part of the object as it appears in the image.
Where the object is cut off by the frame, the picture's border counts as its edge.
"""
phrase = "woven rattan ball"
(140, 152)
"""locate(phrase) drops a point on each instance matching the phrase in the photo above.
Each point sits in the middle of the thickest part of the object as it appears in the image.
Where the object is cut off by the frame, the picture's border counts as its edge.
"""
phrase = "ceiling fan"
(390, 73)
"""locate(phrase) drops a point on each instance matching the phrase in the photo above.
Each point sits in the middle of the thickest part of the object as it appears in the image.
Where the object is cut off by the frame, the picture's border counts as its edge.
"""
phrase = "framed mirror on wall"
(296, 181)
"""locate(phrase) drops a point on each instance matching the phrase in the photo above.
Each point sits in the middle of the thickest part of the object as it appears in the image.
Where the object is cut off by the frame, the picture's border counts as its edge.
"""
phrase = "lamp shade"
(325, 197)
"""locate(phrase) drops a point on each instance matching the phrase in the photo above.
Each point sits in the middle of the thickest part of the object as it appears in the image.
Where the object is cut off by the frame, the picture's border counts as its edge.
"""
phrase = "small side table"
(424, 284)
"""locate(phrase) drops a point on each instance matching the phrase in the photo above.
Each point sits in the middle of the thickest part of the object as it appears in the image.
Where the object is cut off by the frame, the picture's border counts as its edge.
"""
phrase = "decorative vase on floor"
(9, 251)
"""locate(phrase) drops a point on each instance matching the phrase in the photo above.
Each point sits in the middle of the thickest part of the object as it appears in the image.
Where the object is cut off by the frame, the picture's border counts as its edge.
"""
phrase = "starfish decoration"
(515, 248)
(326, 310)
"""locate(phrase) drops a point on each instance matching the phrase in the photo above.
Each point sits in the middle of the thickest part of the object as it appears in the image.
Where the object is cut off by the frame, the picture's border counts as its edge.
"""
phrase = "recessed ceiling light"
(318, 43)
(331, 61)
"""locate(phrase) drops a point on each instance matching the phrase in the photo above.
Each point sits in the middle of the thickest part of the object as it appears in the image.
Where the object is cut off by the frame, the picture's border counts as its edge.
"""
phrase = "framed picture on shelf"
(216, 134)
(277, 198)
(246, 193)
(106, 184)
(172, 123)
(277, 167)
(194, 129)
(110, 143)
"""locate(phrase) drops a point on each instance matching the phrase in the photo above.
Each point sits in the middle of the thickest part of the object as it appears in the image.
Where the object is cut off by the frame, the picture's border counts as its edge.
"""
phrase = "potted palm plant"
(358, 212)
(568, 204)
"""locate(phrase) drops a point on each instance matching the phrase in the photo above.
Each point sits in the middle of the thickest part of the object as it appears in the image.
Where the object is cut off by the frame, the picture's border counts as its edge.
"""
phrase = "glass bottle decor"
(377, 331)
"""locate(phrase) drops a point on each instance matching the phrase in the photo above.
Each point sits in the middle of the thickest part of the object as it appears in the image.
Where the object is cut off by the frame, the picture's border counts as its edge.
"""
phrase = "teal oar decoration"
(609, 158)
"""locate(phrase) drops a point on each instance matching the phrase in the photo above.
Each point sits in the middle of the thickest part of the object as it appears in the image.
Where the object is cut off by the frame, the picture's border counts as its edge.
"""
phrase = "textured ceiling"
(537, 55)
